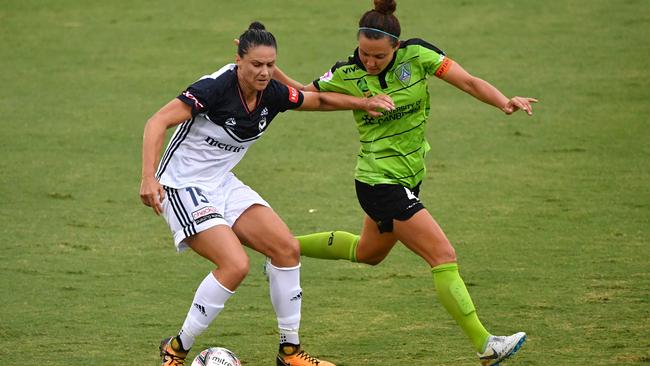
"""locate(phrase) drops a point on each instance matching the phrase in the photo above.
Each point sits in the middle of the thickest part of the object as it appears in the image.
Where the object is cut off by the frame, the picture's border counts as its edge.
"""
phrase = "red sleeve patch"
(293, 94)
(444, 67)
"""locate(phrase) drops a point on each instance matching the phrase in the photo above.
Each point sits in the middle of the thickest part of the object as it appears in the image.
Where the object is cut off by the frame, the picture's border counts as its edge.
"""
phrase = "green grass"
(549, 215)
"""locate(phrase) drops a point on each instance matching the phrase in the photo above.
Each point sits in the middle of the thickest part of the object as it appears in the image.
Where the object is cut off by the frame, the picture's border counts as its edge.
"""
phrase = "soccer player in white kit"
(211, 211)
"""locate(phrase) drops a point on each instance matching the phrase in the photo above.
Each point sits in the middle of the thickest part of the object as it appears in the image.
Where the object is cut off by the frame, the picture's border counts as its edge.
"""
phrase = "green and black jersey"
(393, 145)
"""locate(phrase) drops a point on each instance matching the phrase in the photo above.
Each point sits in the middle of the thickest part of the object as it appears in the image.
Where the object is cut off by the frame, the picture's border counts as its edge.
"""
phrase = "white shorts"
(190, 210)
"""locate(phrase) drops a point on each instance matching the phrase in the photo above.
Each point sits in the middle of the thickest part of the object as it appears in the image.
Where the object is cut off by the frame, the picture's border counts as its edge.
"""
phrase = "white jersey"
(206, 147)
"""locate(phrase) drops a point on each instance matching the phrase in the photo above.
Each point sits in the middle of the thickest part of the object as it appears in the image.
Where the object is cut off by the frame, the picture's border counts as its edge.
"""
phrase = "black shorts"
(387, 202)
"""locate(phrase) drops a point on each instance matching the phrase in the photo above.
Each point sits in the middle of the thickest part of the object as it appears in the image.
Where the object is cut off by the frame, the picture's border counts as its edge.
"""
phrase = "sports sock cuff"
(487, 339)
(444, 267)
(268, 263)
(353, 249)
(222, 286)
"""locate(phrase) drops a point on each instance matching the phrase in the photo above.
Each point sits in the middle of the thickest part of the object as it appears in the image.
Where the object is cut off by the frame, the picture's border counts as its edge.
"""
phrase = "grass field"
(549, 215)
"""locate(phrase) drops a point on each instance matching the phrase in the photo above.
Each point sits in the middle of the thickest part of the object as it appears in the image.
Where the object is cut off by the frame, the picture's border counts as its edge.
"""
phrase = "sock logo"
(330, 240)
(297, 297)
(201, 308)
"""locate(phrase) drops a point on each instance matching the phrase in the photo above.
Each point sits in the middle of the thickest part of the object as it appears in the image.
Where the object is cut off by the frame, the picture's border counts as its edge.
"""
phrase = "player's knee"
(448, 253)
(451, 256)
(443, 253)
(372, 260)
(286, 252)
(239, 268)
(370, 252)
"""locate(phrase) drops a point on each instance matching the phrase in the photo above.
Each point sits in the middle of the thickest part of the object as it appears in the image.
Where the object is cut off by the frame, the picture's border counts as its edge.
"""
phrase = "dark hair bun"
(385, 6)
(257, 25)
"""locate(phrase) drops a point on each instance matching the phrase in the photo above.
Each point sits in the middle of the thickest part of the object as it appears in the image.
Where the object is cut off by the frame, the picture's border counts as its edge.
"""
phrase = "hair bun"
(385, 6)
(257, 25)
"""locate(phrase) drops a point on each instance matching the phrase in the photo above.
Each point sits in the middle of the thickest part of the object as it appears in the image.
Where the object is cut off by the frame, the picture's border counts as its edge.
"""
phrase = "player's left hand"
(517, 103)
(377, 104)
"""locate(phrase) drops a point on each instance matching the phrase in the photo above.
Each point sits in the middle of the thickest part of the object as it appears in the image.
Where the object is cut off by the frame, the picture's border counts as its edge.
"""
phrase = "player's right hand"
(152, 194)
(517, 103)
(377, 104)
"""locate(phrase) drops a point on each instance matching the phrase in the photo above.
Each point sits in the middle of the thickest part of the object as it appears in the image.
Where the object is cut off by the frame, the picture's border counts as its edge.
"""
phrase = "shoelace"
(308, 357)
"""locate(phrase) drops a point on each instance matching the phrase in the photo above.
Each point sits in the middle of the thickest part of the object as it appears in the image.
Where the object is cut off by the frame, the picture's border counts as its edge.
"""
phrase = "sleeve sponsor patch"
(293, 94)
(444, 67)
(327, 76)
(197, 104)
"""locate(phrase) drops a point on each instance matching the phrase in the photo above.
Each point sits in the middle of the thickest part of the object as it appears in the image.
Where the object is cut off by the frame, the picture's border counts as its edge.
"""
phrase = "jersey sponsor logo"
(293, 95)
(395, 114)
(230, 122)
(197, 104)
(223, 146)
(349, 69)
(403, 73)
(327, 76)
(205, 214)
(444, 67)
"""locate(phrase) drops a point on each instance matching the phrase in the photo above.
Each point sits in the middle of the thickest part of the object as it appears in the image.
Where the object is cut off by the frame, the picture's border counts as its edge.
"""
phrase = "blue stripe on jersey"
(180, 135)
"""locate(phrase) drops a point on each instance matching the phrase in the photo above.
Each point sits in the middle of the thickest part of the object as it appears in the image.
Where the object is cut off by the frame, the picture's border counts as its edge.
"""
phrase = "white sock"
(209, 300)
(286, 297)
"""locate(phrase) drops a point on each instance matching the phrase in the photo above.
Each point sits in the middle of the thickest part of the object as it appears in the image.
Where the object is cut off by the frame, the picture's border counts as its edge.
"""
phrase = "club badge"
(403, 73)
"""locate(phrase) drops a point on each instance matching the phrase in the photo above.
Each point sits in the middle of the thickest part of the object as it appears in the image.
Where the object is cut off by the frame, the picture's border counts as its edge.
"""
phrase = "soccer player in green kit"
(391, 163)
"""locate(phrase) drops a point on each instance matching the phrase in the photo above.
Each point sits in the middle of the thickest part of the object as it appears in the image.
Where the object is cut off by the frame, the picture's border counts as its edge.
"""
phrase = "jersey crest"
(403, 73)
(262, 125)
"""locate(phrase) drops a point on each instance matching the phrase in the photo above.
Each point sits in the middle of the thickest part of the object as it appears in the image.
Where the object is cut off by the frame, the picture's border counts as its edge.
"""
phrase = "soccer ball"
(216, 356)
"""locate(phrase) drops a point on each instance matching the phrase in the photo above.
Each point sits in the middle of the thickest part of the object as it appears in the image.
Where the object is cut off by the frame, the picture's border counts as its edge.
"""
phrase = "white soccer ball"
(216, 356)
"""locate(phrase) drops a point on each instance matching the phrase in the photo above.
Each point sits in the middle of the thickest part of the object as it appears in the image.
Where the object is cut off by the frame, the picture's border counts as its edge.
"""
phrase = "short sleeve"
(201, 95)
(331, 81)
(434, 61)
(284, 97)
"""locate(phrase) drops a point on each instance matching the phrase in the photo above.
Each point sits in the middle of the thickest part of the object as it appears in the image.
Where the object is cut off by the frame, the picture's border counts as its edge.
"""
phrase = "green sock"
(453, 295)
(329, 245)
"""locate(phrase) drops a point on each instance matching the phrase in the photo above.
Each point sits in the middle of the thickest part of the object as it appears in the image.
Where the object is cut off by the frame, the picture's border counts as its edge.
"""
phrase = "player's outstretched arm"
(486, 92)
(280, 76)
(173, 113)
(326, 101)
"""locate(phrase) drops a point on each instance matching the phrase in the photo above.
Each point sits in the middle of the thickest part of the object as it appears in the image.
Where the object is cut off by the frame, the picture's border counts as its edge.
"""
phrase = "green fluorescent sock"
(453, 295)
(329, 245)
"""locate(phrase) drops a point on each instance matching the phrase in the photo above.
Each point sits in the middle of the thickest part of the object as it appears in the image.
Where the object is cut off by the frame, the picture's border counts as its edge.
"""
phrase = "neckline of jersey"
(258, 97)
(382, 74)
